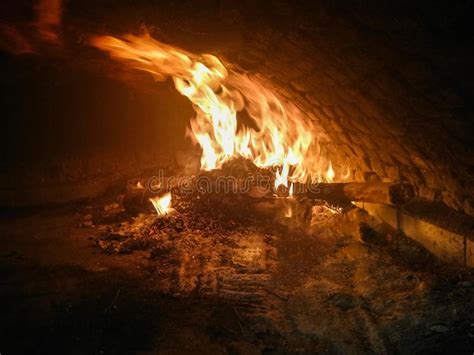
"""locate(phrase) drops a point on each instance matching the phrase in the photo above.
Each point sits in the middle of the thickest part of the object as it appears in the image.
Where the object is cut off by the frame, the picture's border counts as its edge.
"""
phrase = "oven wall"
(390, 84)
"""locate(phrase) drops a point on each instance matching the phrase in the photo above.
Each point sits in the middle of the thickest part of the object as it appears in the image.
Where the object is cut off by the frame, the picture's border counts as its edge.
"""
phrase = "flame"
(330, 174)
(162, 204)
(278, 134)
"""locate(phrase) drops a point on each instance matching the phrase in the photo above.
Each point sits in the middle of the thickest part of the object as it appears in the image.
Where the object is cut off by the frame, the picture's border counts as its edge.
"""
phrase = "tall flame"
(276, 134)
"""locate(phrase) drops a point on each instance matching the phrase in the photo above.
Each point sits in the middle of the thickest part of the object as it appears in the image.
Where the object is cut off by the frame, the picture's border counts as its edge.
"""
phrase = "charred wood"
(377, 192)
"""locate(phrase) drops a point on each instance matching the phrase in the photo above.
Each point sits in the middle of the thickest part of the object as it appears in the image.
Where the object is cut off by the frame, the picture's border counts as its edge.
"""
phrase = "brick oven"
(237, 177)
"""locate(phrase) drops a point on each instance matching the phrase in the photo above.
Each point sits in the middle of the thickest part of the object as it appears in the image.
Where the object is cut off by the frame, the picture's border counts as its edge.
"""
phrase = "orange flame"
(282, 138)
(330, 174)
(162, 204)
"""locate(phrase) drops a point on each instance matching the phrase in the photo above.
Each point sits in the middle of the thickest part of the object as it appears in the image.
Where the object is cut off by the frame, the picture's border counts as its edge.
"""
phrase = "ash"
(336, 284)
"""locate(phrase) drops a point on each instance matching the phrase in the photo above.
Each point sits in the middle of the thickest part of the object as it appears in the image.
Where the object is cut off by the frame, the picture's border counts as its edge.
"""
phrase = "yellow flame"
(280, 135)
(162, 204)
(330, 173)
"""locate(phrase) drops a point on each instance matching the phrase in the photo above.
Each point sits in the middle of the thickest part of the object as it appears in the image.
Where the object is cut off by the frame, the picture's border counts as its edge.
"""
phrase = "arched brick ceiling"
(375, 120)
(390, 104)
(390, 85)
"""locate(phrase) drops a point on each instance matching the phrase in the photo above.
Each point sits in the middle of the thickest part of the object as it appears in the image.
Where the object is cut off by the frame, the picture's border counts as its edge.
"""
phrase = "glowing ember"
(162, 204)
(277, 134)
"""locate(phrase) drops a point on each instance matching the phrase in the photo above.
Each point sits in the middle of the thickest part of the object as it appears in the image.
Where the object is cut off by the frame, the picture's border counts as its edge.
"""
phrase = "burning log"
(377, 192)
(262, 186)
(285, 211)
(138, 197)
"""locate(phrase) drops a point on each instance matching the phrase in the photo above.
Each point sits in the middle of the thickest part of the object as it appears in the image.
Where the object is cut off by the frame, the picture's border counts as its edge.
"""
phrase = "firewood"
(377, 192)
(340, 193)
(264, 198)
(372, 191)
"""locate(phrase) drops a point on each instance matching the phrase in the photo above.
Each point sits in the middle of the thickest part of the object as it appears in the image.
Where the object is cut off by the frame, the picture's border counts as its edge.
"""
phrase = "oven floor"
(250, 292)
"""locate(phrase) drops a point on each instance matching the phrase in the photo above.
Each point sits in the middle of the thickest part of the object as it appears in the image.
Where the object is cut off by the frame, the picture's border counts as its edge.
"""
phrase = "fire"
(278, 135)
(162, 204)
(330, 174)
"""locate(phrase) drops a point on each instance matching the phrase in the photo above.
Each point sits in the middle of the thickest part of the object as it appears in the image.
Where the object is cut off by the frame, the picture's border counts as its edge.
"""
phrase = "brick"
(306, 66)
(412, 175)
(347, 149)
(313, 100)
(416, 158)
(392, 172)
(432, 180)
(300, 85)
(470, 253)
(337, 74)
(327, 95)
(329, 112)
(289, 47)
(429, 193)
(377, 165)
(451, 183)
